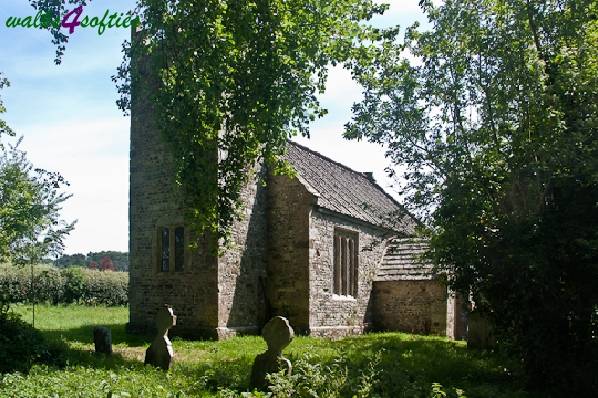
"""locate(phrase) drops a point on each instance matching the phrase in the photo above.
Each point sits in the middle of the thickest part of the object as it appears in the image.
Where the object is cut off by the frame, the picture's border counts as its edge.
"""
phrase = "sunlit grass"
(69, 317)
(407, 363)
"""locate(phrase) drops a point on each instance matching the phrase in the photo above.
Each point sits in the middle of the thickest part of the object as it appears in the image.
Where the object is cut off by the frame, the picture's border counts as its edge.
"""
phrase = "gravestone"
(278, 334)
(160, 352)
(102, 340)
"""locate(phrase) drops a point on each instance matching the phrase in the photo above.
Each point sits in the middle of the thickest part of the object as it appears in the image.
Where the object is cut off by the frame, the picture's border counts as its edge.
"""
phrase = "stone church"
(329, 249)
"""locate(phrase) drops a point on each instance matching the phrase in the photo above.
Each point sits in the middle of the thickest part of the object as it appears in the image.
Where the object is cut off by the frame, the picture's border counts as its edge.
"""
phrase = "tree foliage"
(237, 80)
(493, 116)
(30, 202)
(57, 9)
(120, 260)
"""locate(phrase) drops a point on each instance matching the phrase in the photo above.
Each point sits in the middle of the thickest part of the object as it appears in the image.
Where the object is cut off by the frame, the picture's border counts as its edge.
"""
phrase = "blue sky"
(70, 123)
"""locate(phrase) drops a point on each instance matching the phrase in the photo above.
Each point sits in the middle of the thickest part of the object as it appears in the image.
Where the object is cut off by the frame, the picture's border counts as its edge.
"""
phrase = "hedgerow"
(55, 286)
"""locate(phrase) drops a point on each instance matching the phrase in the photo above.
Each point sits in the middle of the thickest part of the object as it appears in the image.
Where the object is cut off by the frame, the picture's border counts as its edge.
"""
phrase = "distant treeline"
(111, 260)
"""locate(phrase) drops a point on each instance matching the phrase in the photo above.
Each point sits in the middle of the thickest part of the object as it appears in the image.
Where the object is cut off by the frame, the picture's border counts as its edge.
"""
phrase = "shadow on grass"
(66, 353)
(221, 368)
(232, 373)
(406, 361)
(406, 365)
(84, 335)
(88, 358)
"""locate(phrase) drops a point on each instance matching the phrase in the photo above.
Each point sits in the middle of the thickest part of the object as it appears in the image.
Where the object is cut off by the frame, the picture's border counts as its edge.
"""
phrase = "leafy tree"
(30, 203)
(492, 115)
(70, 260)
(106, 264)
(119, 259)
(57, 9)
(31, 227)
(236, 80)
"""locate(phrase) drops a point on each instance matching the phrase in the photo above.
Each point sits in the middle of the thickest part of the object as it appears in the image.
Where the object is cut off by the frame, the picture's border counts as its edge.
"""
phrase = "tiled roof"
(402, 261)
(347, 191)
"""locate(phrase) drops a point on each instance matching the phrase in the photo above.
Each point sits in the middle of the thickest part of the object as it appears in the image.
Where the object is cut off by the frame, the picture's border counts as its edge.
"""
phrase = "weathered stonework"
(456, 317)
(242, 267)
(155, 201)
(281, 255)
(330, 314)
(288, 241)
(411, 306)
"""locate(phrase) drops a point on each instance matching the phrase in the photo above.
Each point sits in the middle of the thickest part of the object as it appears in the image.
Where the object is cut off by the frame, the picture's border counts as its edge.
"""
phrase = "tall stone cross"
(160, 352)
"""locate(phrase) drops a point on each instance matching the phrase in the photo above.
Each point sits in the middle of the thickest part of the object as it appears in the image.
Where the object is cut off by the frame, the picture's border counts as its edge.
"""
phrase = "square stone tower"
(212, 296)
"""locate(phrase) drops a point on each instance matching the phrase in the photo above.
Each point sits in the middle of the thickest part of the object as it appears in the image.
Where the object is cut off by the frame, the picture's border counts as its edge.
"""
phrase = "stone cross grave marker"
(160, 352)
(278, 334)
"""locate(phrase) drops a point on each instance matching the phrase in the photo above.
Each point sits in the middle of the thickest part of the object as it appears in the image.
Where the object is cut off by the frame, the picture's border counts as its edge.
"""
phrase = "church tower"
(212, 296)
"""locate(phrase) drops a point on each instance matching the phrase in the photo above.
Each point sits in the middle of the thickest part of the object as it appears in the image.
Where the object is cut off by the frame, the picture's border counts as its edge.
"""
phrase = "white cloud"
(93, 157)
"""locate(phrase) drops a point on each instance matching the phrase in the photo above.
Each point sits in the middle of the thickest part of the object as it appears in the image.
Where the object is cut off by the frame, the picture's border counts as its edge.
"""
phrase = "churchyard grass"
(390, 364)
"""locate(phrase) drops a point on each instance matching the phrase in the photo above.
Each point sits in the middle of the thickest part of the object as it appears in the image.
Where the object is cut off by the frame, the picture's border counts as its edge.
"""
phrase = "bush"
(310, 378)
(74, 285)
(21, 345)
(55, 286)
(109, 288)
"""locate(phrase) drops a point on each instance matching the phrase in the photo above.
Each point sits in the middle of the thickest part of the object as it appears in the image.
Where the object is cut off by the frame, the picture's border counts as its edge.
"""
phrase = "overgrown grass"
(404, 365)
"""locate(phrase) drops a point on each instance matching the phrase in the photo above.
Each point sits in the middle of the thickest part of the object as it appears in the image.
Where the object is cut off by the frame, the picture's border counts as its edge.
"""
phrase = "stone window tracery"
(345, 263)
(164, 249)
(171, 248)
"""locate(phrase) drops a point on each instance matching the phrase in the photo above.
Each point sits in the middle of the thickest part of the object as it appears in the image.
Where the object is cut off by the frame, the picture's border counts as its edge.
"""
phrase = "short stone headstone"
(102, 340)
(160, 352)
(278, 334)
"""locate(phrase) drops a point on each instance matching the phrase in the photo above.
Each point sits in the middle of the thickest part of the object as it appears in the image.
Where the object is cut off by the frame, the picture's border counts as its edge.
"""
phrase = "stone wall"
(242, 266)
(279, 261)
(456, 318)
(329, 314)
(413, 306)
(288, 243)
(155, 201)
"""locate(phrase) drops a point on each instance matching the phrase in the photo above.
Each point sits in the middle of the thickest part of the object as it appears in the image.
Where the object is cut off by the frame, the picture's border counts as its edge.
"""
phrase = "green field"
(384, 364)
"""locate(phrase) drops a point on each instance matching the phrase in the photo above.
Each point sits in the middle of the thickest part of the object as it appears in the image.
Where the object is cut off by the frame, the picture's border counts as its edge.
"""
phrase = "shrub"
(21, 345)
(72, 285)
(108, 288)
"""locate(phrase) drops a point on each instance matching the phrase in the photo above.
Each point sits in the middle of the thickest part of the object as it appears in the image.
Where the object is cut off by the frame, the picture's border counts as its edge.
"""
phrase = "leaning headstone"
(160, 352)
(278, 334)
(102, 339)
